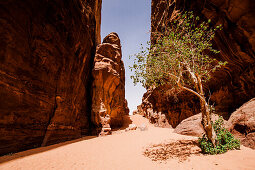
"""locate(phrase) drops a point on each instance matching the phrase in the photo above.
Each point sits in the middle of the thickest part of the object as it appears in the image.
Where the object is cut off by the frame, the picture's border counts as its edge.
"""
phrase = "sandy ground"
(123, 150)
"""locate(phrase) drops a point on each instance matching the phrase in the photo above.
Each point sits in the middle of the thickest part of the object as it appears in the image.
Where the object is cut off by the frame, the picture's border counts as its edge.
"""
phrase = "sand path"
(120, 151)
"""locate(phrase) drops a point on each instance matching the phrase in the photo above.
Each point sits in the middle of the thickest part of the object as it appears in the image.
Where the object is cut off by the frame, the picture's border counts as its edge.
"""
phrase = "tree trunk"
(206, 115)
(206, 122)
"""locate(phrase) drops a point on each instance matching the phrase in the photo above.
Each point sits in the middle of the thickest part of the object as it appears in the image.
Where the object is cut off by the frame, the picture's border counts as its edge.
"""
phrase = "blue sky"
(131, 20)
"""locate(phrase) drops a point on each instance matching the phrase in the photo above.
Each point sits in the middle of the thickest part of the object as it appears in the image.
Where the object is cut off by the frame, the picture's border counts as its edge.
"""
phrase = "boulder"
(192, 126)
(242, 123)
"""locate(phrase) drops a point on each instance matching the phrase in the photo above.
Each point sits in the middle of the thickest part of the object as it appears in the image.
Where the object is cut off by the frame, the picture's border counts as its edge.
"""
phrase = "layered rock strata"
(46, 58)
(108, 97)
(230, 86)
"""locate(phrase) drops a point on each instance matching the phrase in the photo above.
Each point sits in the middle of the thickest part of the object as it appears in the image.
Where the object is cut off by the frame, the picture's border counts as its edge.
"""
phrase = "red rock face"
(242, 123)
(109, 83)
(175, 107)
(46, 58)
(230, 86)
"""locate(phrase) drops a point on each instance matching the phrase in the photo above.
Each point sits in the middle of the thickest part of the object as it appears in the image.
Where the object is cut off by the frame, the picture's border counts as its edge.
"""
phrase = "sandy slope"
(122, 150)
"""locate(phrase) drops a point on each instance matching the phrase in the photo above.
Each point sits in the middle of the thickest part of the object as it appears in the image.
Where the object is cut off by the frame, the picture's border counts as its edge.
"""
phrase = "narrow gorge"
(59, 82)
(46, 67)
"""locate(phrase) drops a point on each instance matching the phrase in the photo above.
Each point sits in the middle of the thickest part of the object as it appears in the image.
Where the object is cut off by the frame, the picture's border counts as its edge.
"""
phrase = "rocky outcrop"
(46, 58)
(160, 120)
(230, 86)
(242, 123)
(109, 83)
(156, 118)
(105, 122)
(175, 107)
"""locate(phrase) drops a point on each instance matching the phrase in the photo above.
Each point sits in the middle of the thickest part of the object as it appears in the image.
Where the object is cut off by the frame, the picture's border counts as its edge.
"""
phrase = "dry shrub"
(181, 149)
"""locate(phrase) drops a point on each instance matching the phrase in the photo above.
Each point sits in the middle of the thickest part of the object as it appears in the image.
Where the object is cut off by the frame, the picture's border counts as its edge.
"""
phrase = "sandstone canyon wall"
(109, 83)
(230, 86)
(46, 57)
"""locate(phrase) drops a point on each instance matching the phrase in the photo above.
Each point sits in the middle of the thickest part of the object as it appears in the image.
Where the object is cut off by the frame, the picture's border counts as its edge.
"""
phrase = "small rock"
(143, 127)
(106, 128)
(105, 133)
(131, 127)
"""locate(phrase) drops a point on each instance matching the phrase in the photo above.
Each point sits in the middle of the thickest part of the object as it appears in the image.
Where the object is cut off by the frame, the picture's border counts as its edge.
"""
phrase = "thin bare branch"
(192, 91)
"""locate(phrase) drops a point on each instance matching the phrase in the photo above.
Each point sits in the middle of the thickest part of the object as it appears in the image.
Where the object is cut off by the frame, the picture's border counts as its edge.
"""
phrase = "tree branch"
(192, 91)
(193, 77)
(200, 85)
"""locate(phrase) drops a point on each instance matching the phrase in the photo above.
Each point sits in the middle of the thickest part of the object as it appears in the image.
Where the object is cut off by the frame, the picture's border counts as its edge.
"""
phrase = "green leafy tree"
(179, 57)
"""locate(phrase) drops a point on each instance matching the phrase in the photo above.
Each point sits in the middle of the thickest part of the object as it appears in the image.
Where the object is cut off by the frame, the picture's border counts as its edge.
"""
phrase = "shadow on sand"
(10, 157)
(126, 122)
(18, 155)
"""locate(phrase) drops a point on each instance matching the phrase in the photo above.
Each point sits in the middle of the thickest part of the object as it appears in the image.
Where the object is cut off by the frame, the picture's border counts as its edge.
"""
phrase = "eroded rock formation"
(109, 83)
(230, 86)
(176, 107)
(242, 123)
(46, 58)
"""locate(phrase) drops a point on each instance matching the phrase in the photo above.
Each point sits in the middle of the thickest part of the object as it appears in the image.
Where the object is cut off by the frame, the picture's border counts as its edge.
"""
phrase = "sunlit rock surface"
(192, 126)
(109, 83)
